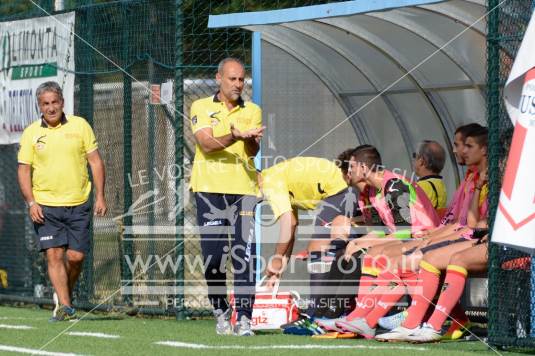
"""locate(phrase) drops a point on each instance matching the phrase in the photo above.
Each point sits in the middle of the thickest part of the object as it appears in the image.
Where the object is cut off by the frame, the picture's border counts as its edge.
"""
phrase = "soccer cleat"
(425, 334)
(243, 327)
(398, 334)
(329, 324)
(315, 329)
(358, 326)
(335, 335)
(393, 321)
(457, 329)
(223, 326)
(296, 323)
(64, 313)
(303, 326)
(56, 304)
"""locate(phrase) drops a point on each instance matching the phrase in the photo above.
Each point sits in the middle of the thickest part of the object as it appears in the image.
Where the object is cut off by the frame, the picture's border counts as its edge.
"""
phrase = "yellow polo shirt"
(228, 171)
(435, 189)
(300, 183)
(58, 159)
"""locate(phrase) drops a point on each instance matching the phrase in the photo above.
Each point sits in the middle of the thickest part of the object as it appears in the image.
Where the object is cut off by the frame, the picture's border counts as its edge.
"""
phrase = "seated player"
(453, 220)
(402, 206)
(381, 263)
(456, 214)
(429, 260)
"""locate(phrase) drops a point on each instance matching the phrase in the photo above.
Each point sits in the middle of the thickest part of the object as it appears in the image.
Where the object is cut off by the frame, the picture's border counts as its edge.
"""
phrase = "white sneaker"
(358, 326)
(330, 324)
(56, 304)
(397, 334)
(223, 326)
(243, 327)
(393, 321)
(425, 334)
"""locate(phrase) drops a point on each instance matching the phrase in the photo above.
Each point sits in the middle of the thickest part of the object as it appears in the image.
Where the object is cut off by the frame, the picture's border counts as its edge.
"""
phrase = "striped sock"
(426, 288)
(367, 292)
(452, 290)
(392, 289)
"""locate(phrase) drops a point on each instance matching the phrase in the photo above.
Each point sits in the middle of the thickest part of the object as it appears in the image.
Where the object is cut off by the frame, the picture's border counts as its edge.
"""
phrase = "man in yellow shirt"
(227, 131)
(428, 164)
(309, 183)
(305, 183)
(53, 178)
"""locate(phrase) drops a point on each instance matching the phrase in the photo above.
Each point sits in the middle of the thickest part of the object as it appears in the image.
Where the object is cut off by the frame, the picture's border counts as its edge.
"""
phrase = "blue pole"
(257, 99)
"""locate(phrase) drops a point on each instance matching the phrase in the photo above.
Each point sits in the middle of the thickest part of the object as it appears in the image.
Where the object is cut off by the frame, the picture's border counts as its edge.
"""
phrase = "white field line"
(18, 327)
(24, 350)
(187, 345)
(101, 335)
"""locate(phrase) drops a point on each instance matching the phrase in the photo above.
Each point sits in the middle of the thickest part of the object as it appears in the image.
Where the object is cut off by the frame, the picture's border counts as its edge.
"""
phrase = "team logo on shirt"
(40, 143)
(215, 119)
(194, 120)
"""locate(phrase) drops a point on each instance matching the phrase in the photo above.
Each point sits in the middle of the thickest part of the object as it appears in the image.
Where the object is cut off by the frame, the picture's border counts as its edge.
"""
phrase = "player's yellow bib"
(300, 183)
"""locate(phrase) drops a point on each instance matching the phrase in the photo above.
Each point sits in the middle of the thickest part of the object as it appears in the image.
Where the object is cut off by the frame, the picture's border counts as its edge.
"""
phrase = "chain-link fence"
(511, 300)
(124, 50)
(121, 51)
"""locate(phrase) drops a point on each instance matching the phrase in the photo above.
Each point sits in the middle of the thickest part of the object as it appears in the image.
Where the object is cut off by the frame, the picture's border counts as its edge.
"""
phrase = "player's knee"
(340, 227)
(75, 257)
(458, 259)
(55, 255)
(430, 256)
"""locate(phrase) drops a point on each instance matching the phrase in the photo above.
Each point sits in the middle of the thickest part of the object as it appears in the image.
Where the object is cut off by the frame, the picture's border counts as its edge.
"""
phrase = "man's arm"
(284, 247)
(210, 144)
(99, 179)
(25, 182)
(473, 217)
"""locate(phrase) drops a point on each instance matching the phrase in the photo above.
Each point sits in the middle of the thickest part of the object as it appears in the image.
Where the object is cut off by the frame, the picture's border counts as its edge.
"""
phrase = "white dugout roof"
(389, 73)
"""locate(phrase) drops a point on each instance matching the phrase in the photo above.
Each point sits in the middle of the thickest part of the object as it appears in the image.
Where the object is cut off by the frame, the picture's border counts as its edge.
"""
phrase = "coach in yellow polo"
(53, 177)
(227, 131)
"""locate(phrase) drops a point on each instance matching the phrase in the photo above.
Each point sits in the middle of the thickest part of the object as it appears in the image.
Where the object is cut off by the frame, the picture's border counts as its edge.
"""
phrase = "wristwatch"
(31, 203)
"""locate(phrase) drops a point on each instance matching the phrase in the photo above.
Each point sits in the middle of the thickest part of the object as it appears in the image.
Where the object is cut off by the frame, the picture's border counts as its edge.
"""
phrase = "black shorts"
(342, 203)
(442, 244)
(65, 226)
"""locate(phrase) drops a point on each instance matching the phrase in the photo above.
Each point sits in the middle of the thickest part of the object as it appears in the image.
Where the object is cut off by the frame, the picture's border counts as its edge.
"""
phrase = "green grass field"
(29, 329)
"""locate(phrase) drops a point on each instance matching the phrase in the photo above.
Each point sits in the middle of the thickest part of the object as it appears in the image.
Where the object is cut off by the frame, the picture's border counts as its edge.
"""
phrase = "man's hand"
(252, 134)
(274, 270)
(100, 207)
(36, 214)
(272, 282)
(351, 248)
